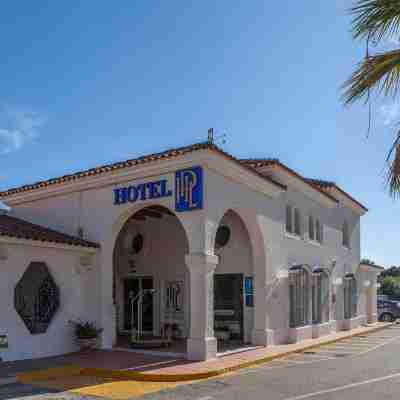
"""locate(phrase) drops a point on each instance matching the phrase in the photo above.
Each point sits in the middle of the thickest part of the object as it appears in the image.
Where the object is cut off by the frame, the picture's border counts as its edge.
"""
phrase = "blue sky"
(83, 83)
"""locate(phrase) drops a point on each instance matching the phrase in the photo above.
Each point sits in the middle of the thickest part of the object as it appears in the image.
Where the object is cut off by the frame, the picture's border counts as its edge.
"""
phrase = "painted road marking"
(340, 388)
(333, 351)
(358, 345)
(151, 365)
(380, 345)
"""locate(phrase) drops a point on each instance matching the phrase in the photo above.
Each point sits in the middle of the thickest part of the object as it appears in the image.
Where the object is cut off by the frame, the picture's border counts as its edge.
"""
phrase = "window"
(297, 222)
(137, 244)
(289, 225)
(350, 296)
(222, 237)
(320, 296)
(345, 235)
(315, 229)
(299, 296)
(249, 291)
(318, 231)
(311, 228)
(293, 221)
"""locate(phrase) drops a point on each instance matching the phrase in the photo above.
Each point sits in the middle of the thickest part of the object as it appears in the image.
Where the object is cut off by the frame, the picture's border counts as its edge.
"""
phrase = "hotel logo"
(189, 189)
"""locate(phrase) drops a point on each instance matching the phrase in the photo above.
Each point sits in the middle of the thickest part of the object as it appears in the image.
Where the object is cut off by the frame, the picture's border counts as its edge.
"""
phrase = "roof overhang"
(8, 240)
(371, 267)
(348, 201)
(293, 179)
(211, 157)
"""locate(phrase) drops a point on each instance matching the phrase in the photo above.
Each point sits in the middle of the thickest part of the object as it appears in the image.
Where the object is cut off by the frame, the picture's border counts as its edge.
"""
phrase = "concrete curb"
(75, 370)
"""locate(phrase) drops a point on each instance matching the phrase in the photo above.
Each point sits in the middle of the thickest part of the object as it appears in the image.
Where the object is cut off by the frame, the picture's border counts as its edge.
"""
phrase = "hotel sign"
(188, 190)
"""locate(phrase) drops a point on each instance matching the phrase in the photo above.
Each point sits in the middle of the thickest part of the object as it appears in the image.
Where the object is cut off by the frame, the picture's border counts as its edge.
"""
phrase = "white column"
(261, 336)
(201, 345)
(108, 312)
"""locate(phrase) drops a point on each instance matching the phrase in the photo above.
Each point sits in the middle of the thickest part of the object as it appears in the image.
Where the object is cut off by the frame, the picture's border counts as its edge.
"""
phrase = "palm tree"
(375, 21)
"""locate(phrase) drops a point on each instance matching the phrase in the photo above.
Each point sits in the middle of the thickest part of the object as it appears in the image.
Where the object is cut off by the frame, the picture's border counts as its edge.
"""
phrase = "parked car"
(388, 310)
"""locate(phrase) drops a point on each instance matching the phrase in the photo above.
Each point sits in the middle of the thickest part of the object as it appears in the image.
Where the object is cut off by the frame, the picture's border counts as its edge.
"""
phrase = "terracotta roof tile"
(262, 162)
(332, 185)
(168, 154)
(18, 228)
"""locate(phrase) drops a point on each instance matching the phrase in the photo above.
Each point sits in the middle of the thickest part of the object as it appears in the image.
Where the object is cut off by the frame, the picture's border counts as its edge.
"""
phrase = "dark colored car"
(388, 310)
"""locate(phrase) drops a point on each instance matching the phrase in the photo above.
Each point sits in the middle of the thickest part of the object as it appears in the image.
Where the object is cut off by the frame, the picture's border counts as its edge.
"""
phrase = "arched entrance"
(150, 277)
(233, 283)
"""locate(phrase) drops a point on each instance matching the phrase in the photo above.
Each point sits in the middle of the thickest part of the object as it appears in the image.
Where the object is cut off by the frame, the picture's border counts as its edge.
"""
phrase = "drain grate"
(309, 352)
(340, 355)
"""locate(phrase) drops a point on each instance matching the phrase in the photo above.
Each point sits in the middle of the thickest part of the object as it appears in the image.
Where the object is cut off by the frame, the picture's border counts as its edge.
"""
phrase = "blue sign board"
(188, 190)
(142, 191)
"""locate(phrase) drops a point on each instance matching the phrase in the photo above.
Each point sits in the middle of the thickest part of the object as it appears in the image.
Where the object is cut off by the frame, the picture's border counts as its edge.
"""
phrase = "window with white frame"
(289, 222)
(299, 283)
(318, 231)
(320, 296)
(315, 229)
(293, 221)
(345, 235)
(350, 296)
(297, 222)
(311, 231)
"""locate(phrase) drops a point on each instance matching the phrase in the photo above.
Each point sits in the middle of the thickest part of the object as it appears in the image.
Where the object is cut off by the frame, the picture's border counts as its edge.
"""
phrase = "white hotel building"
(248, 251)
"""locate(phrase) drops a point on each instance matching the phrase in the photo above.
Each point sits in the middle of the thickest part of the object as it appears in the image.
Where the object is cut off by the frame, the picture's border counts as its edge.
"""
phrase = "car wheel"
(387, 317)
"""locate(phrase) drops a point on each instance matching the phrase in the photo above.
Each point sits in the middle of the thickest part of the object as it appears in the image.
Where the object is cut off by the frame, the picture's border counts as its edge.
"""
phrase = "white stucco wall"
(261, 219)
(78, 299)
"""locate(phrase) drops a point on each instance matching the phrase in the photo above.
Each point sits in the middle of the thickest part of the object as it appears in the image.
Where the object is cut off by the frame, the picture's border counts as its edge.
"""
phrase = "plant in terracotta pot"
(86, 334)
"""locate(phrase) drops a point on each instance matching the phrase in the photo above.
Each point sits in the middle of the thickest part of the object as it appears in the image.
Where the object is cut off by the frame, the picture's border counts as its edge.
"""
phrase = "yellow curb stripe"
(74, 370)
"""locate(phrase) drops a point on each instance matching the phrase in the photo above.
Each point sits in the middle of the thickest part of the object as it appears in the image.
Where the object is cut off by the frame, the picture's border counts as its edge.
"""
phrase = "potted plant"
(86, 334)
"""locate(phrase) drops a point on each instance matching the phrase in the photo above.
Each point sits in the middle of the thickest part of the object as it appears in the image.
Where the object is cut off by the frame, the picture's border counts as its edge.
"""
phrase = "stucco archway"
(252, 241)
(147, 243)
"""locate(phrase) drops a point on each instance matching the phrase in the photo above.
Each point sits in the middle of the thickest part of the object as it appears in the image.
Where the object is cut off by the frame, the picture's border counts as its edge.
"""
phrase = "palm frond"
(380, 72)
(393, 178)
(376, 19)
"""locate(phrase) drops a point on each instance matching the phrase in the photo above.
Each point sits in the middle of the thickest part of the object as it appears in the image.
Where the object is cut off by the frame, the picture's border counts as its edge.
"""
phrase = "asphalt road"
(365, 367)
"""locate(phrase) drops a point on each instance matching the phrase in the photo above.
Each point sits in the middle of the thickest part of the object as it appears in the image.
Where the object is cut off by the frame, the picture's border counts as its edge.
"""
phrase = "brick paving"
(155, 364)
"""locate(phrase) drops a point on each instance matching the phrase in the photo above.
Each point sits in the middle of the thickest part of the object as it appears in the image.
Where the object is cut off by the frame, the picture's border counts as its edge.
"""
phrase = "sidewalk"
(125, 365)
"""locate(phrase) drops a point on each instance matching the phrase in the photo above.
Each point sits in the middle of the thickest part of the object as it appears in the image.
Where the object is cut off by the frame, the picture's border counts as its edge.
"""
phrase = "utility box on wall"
(3, 344)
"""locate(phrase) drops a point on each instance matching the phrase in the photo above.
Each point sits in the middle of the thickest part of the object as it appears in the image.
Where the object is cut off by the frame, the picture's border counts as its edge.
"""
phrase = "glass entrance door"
(140, 314)
(228, 305)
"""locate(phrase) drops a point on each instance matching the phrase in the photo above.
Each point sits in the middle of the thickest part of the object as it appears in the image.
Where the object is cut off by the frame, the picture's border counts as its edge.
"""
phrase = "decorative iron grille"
(37, 298)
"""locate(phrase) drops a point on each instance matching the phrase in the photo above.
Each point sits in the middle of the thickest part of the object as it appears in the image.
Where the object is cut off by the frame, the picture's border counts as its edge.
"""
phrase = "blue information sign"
(189, 189)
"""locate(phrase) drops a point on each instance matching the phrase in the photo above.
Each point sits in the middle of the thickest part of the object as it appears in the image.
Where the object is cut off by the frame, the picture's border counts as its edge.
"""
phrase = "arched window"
(350, 296)
(299, 296)
(345, 235)
(320, 296)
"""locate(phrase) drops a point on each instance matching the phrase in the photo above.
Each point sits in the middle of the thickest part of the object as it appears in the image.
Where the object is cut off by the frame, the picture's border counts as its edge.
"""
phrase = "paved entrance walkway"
(142, 367)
